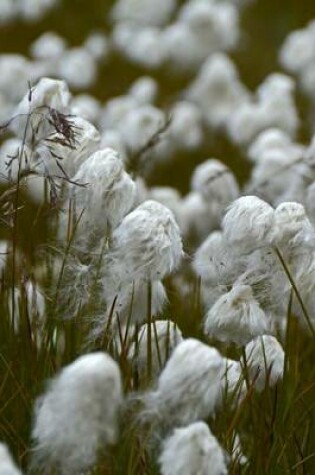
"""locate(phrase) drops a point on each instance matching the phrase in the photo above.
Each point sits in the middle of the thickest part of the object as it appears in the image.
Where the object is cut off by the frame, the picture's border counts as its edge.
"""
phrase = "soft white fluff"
(87, 107)
(97, 45)
(248, 222)
(165, 336)
(236, 317)
(48, 47)
(78, 414)
(265, 361)
(144, 12)
(217, 90)
(270, 139)
(188, 387)
(215, 261)
(146, 245)
(292, 225)
(78, 67)
(105, 196)
(215, 182)
(7, 465)
(144, 90)
(233, 383)
(193, 450)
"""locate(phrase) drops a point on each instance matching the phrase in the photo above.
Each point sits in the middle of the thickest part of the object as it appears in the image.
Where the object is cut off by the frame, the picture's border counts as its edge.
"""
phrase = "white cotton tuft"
(130, 300)
(165, 336)
(48, 47)
(236, 317)
(298, 50)
(193, 450)
(97, 45)
(7, 465)
(78, 67)
(217, 90)
(265, 361)
(188, 387)
(78, 414)
(101, 196)
(215, 182)
(144, 12)
(232, 380)
(270, 139)
(215, 261)
(248, 222)
(146, 245)
(47, 93)
(87, 107)
(144, 90)
(292, 225)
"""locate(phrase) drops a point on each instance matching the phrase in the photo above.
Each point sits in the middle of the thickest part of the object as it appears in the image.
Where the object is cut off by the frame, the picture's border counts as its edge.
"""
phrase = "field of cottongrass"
(157, 237)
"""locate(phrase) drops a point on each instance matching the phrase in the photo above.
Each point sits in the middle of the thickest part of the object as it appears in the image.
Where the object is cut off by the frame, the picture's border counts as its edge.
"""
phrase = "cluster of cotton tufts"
(78, 414)
(7, 465)
(248, 223)
(192, 450)
(264, 361)
(188, 387)
(142, 46)
(165, 336)
(146, 245)
(274, 107)
(217, 90)
(202, 28)
(102, 194)
(28, 10)
(297, 56)
(215, 182)
(144, 12)
(236, 317)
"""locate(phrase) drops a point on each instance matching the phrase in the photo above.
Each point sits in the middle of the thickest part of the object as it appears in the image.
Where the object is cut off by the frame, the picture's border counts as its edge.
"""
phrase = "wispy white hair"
(77, 415)
(265, 361)
(292, 225)
(215, 182)
(102, 194)
(236, 317)
(188, 387)
(248, 222)
(7, 465)
(146, 245)
(165, 336)
(192, 450)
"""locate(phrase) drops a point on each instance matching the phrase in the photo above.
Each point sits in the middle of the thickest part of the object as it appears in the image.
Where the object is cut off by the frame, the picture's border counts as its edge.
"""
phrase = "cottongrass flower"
(188, 387)
(264, 361)
(48, 46)
(248, 223)
(143, 12)
(215, 182)
(232, 381)
(215, 262)
(236, 317)
(292, 226)
(145, 246)
(78, 67)
(145, 90)
(165, 336)
(7, 465)
(273, 139)
(105, 195)
(77, 415)
(193, 450)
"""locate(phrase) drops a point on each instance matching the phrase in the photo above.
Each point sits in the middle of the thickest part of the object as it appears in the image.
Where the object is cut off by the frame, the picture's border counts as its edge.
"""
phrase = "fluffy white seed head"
(189, 385)
(47, 93)
(7, 465)
(217, 90)
(298, 50)
(97, 45)
(146, 245)
(144, 90)
(78, 67)
(248, 222)
(215, 182)
(193, 450)
(236, 317)
(233, 383)
(78, 414)
(107, 196)
(292, 225)
(165, 336)
(87, 107)
(144, 12)
(269, 139)
(215, 261)
(49, 46)
(265, 361)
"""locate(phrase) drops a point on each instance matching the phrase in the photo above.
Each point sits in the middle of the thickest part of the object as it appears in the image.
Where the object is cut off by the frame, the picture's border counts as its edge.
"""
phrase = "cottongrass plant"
(77, 415)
